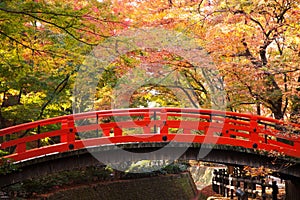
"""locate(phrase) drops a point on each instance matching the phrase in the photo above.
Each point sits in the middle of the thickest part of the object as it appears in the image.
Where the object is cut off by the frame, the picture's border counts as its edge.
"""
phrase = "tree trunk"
(278, 114)
(295, 112)
(274, 96)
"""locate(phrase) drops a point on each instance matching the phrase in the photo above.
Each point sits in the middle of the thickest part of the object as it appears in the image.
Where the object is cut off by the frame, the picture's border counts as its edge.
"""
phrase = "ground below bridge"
(102, 182)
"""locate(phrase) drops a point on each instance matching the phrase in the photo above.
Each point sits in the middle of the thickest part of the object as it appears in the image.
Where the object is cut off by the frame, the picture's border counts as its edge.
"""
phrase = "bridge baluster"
(254, 137)
(146, 127)
(97, 122)
(64, 126)
(106, 130)
(69, 136)
(297, 146)
(21, 148)
(164, 127)
(226, 128)
(117, 131)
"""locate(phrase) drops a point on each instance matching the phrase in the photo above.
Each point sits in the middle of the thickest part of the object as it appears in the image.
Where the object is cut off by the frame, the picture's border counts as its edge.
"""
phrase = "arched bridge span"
(223, 137)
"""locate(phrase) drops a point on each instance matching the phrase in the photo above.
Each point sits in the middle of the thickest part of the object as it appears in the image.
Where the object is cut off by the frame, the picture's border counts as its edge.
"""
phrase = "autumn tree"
(171, 16)
(171, 81)
(43, 45)
(256, 46)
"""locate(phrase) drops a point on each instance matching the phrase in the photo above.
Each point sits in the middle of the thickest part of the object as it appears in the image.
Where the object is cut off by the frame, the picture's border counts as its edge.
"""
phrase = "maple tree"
(163, 79)
(43, 45)
(256, 47)
(163, 15)
(254, 44)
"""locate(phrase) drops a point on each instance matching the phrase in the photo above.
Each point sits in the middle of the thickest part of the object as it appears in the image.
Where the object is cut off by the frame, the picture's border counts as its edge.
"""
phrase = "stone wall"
(176, 186)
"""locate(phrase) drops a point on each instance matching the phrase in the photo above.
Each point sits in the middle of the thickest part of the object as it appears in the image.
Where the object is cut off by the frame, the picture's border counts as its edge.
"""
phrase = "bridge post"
(253, 134)
(146, 127)
(21, 147)
(297, 146)
(97, 122)
(163, 117)
(117, 131)
(155, 126)
(106, 131)
(69, 136)
(39, 132)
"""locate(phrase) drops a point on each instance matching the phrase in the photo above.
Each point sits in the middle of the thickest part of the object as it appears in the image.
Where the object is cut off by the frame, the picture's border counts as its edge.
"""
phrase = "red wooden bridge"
(261, 135)
(150, 125)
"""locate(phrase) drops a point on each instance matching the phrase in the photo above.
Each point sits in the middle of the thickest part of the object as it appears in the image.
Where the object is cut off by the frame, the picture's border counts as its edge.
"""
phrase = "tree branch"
(17, 41)
(39, 51)
(55, 25)
(185, 92)
(60, 87)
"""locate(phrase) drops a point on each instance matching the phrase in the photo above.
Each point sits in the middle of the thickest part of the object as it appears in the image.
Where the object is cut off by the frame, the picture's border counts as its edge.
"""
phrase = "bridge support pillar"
(292, 190)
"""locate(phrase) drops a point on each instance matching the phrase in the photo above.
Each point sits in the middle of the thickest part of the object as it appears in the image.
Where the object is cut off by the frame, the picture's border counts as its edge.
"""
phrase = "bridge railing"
(81, 130)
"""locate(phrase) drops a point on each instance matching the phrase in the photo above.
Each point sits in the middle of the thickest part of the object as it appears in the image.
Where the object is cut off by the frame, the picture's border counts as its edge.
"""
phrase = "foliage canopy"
(254, 45)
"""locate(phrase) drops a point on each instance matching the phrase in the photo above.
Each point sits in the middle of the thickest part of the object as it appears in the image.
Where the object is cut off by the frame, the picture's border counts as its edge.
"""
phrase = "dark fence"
(243, 187)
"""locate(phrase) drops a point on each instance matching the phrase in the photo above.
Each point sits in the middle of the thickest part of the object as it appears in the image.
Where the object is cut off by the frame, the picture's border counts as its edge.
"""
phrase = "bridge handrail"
(236, 129)
(54, 120)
